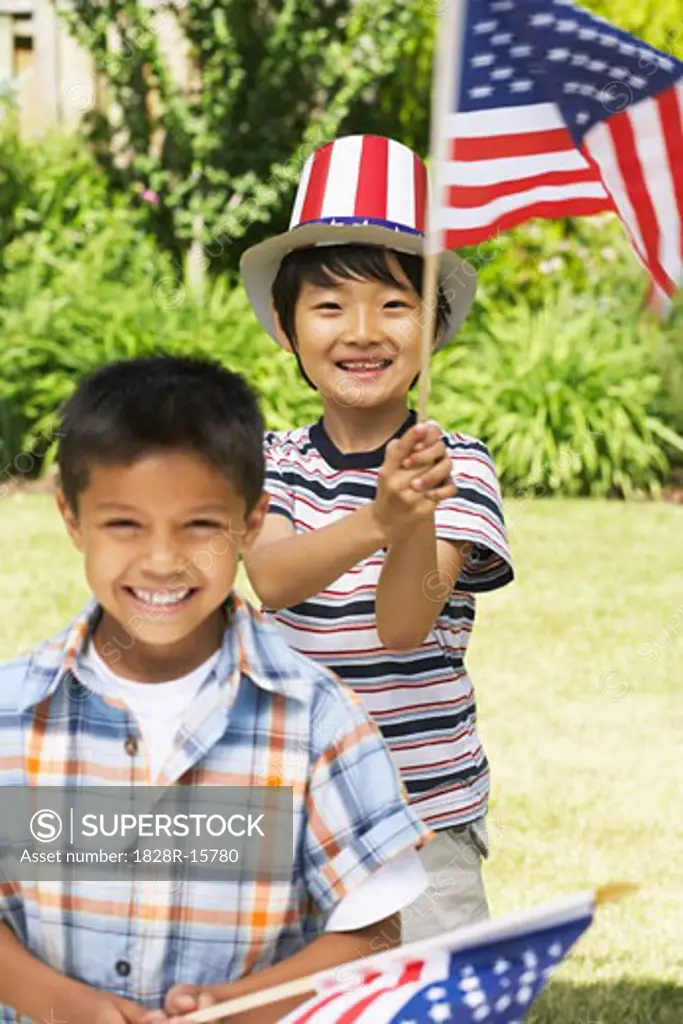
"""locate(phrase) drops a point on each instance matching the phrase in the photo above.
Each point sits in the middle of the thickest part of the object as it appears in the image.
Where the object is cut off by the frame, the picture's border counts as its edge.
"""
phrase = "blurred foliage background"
(577, 389)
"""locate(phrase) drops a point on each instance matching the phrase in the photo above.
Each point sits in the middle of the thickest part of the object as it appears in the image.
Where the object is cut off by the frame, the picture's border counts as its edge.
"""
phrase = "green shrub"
(567, 399)
(669, 349)
(82, 282)
(90, 314)
(15, 171)
(69, 298)
(54, 201)
(539, 262)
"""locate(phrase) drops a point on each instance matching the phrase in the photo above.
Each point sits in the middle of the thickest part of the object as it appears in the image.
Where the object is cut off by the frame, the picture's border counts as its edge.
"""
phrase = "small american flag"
(491, 972)
(557, 113)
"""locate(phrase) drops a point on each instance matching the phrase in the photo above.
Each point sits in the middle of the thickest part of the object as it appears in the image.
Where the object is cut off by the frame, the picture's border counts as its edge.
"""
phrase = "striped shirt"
(422, 700)
(264, 715)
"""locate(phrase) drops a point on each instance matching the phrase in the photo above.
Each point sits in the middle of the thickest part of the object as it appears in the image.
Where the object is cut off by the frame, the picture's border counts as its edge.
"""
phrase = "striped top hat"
(358, 190)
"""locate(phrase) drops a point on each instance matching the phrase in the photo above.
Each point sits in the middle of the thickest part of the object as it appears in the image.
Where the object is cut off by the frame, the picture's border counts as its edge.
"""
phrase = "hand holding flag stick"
(506, 963)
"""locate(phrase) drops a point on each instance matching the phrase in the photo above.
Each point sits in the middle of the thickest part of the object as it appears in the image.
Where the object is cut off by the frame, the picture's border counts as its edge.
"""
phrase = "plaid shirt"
(264, 716)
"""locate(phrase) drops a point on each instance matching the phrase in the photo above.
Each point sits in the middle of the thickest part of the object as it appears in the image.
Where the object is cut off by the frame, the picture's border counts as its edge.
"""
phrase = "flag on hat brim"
(556, 113)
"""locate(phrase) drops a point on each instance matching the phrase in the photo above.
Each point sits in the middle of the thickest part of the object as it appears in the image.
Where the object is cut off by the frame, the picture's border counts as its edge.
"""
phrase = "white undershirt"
(160, 708)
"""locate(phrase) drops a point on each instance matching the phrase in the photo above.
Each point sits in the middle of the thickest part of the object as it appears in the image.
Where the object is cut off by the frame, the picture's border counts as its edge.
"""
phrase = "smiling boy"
(380, 531)
(167, 678)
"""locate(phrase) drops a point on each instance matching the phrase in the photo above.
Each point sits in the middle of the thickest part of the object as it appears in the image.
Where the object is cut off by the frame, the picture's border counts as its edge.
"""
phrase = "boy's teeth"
(364, 366)
(161, 597)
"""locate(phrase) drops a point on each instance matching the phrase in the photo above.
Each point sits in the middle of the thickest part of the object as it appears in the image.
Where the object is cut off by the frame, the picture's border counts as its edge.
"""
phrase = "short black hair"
(323, 265)
(133, 407)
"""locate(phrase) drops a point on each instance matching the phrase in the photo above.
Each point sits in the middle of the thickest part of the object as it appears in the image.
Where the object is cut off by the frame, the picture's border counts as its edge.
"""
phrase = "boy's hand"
(415, 477)
(181, 1000)
(111, 1010)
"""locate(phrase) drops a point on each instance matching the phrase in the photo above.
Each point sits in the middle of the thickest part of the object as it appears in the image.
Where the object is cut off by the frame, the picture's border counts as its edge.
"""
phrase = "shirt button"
(123, 968)
(131, 746)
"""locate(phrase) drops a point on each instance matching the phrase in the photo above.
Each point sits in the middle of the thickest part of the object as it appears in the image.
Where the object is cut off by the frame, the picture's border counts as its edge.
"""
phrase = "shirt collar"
(250, 643)
(354, 460)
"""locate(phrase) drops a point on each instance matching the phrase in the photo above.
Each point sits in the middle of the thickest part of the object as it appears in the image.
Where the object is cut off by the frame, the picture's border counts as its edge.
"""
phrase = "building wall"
(52, 77)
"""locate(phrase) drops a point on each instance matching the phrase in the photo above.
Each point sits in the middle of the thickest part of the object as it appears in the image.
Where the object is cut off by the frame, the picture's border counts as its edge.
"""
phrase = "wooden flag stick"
(265, 997)
(445, 87)
(614, 893)
(429, 302)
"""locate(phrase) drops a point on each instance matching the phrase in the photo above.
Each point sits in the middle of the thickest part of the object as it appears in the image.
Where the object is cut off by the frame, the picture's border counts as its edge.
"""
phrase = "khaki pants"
(455, 896)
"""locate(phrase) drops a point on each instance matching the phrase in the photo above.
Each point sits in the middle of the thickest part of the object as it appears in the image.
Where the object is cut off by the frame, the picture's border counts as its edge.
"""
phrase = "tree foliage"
(657, 22)
(269, 81)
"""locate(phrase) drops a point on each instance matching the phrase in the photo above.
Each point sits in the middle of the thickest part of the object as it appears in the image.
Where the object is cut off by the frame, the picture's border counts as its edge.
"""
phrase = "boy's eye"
(121, 524)
(328, 305)
(204, 524)
(397, 304)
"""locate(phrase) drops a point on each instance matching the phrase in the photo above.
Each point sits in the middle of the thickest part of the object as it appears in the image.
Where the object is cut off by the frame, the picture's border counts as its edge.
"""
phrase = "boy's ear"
(281, 336)
(71, 522)
(254, 523)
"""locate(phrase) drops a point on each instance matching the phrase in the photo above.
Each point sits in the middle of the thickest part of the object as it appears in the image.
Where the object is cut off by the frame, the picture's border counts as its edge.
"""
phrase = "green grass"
(583, 725)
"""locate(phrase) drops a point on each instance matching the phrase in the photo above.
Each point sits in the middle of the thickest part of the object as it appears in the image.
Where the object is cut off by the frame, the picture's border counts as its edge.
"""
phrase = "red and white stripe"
(377, 1000)
(363, 176)
(505, 167)
(639, 153)
(444, 767)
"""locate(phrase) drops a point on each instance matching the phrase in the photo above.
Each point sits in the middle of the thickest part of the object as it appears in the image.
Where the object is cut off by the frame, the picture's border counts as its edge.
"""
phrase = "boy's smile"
(368, 367)
(162, 602)
(161, 538)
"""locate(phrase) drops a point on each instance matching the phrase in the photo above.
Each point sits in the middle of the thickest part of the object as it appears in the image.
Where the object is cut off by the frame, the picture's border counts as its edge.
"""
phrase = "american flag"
(557, 113)
(491, 972)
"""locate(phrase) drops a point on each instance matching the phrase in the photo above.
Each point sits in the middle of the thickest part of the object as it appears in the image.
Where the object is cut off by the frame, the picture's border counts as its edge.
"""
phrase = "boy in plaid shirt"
(166, 679)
